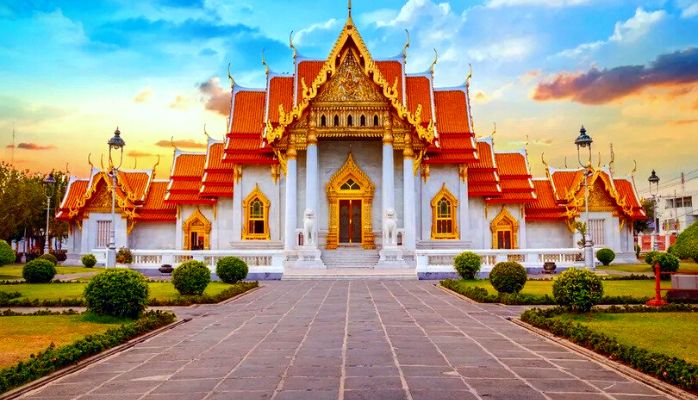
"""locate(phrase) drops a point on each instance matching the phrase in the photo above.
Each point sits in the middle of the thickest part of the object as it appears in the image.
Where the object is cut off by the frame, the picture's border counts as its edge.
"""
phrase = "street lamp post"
(116, 143)
(49, 182)
(584, 141)
(654, 191)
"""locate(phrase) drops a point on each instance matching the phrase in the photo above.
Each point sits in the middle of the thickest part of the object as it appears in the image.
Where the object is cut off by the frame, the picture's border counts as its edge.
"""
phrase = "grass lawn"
(669, 333)
(636, 288)
(14, 271)
(21, 336)
(55, 291)
(685, 266)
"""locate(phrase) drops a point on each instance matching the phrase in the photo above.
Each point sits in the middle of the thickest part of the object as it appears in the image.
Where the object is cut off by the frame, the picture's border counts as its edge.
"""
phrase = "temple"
(350, 162)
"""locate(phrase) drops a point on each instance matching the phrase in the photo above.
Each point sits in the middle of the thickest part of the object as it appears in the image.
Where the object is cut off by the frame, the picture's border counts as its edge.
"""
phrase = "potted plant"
(549, 267)
(124, 257)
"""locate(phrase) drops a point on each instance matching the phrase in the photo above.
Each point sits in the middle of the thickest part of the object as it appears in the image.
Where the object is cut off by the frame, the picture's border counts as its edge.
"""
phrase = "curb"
(17, 392)
(651, 381)
(230, 300)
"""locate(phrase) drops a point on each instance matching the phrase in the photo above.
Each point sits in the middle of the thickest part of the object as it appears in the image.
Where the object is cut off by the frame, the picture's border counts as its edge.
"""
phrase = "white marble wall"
(260, 175)
(89, 231)
(438, 176)
(480, 235)
(548, 235)
(153, 235)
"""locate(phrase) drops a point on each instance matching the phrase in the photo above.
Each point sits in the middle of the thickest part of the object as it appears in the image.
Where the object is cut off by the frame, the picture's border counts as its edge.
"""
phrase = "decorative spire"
(230, 77)
(157, 163)
(264, 63)
(206, 133)
(611, 164)
(469, 76)
(349, 9)
(292, 46)
(566, 162)
(433, 63)
(405, 47)
(632, 173)
(89, 161)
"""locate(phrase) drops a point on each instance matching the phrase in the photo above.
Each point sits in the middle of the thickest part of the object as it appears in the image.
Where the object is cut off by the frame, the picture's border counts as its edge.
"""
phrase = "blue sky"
(70, 71)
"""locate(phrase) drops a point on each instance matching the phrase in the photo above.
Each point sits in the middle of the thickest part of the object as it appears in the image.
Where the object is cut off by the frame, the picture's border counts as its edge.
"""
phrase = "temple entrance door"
(350, 221)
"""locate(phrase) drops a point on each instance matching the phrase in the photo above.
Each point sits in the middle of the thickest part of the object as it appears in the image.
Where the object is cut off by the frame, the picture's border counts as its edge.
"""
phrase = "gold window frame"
(445, 194)
(504, 222)
(198, 223)
(256, 194)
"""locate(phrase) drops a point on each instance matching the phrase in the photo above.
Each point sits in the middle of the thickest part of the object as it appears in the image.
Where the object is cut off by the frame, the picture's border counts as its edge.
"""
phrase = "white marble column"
(237, 203)
(409, 241)
(290, 204)
(388, 181)
(463, 204)
(312, 179)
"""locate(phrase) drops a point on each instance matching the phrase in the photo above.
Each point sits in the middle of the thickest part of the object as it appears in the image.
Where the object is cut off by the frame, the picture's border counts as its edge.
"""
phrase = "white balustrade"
(441, 260)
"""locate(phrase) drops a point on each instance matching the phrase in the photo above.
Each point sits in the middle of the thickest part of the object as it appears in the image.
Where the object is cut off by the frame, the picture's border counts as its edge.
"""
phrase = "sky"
(72, 71)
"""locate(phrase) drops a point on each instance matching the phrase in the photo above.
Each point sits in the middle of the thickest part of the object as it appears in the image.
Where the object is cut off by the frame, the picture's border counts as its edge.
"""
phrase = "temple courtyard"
(347, 340)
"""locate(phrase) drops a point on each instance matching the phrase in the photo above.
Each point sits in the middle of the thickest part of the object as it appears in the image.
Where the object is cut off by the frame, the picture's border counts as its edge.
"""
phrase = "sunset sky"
(71, 71)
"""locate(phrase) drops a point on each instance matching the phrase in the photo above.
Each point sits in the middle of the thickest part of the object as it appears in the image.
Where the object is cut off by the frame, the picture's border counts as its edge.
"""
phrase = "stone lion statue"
(389, 228)
(308, 227)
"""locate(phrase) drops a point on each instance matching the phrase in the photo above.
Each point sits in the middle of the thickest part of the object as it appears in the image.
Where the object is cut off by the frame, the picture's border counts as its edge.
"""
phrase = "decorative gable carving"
(350, 84)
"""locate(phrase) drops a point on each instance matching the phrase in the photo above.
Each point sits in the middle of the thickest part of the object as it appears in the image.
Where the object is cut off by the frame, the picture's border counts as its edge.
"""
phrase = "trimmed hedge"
(508, 277)
(649, 257)
(578, 289)
(467, 264)
(117, 292)
(667, 263)
(89, 260)
(481, 295)
(191, 277)
(124, 256)
(7, 255)
(231, 269)
(39, 271)
(686, 245)
(55, 358)
(605, 256)
(669, 369)
(49, 257)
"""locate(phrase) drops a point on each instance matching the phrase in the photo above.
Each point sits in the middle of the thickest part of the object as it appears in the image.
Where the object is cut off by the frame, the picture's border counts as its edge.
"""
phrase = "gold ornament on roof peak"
(405, 47)
(433, 63)
(264, 63)
(230, 78)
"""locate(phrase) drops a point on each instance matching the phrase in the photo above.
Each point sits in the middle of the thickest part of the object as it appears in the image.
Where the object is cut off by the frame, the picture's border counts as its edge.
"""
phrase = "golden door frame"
(350, 170)
(198, 223)
(504, 222)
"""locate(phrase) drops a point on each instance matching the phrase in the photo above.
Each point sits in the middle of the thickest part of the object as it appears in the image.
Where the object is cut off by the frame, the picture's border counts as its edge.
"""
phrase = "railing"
(442, 259)
(257, 260)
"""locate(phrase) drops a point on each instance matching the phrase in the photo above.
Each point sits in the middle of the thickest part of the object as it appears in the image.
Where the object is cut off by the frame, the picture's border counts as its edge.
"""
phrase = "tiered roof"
(514, 178)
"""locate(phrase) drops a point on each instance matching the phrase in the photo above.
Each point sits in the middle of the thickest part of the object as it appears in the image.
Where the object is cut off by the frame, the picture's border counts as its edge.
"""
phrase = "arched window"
(323, 120)
(336, 120)
(443, 222)
(256, 207)
(350, 121)
(197, 229)
(375, 120)
(505, 231)
(363, 120)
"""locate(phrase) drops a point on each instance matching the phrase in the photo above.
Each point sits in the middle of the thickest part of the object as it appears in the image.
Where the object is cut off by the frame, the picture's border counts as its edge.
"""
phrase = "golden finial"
(292, 46)
(101, 161)
(404, 48)
(230, 77)
(542, 159)
(264, 63)
(433, 63)
(157, 163)
(349, 8)
(494, 129)
(469, 76)
(135, 162)
(566, 162)
(598, 165)
(206, 133)
(67, 170)
(526, 144)
(632, 173)
(89, 161)
(611, 166)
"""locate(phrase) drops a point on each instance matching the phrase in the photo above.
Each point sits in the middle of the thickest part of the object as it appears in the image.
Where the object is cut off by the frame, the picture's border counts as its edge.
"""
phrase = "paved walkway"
(347, 340)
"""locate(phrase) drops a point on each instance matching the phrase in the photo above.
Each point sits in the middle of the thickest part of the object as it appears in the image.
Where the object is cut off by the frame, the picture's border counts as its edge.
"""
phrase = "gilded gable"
(349, 85)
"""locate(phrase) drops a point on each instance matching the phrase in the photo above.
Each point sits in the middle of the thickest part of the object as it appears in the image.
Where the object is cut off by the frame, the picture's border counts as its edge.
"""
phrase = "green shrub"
(49, 257)
(605, 256)
(467, 264)
(577, 289)
(7, 255)
(231, 269)
(667, 263)
(686, 245)
(637, 250)
(508, 277)
(191, 277)
(117, 292)
(124, 256)
(88, 260)
(649, 257)
(39, 271)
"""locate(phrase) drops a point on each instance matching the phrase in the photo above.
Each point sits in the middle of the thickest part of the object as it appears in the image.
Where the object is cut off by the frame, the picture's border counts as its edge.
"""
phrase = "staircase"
(352, 256)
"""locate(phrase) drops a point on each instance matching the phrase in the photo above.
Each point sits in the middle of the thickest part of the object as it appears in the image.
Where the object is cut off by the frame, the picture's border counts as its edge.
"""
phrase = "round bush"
(649, 257)
(605, 256)
(124, 256)
(231, 269)
(467, 264)
(191, 277)
(49, 257)
(117, 292)
(88, 260)
(39, 271)
(686, 245)
(7, 255)
(578, 289)
(508, 277)
(667, 263)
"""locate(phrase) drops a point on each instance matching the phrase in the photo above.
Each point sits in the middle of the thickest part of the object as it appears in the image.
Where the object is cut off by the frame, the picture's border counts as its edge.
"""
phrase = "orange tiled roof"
(451, 112)
(154, 208)
(626, 191)
(76, 190)
(135, 182)
(280, 93)
(419, 92)
(563, 181)
(514, 179)
(545, 206)
(307, 71)
(218, 176)
(483, 179)
(185, 180)
(391, 71)
(248, 112)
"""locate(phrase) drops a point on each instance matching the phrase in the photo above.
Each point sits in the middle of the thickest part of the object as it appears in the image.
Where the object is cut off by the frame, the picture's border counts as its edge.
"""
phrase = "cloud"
(690, 11)
(602, 86)
(217, 99)
(10, 146)
(185, 143)
(544, 3)
(680, 122)
(507, 49)
(143, 96)
(301, 37)
(138, 153)
(34, 146)
(180, 102)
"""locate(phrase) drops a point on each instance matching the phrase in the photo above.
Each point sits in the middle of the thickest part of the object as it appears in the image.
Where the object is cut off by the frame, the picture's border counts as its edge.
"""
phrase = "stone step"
(349, 274)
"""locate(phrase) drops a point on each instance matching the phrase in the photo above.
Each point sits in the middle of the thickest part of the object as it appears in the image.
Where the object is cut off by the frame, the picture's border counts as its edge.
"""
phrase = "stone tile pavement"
(347, 340)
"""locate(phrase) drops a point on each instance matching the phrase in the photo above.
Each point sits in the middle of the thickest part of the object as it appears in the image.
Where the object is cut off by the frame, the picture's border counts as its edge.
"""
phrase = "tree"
(643, 225)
